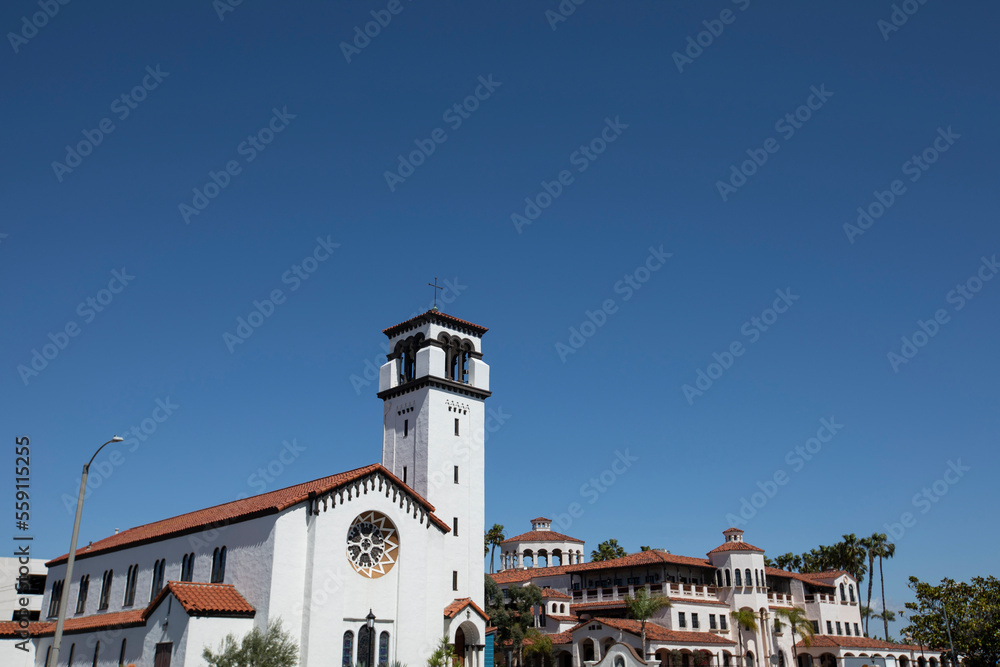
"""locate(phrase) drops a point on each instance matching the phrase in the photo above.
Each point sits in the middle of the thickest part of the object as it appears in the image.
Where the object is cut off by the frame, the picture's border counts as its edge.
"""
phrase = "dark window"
(404, 474)
(729, 581)
(739, 579)
(383, 648)
(850, 589)
(839, 632)
(815, 627)
(121, 655)
(454, 580)
(130, 579)
(348, 654)
(406, 427)
(364, 644)
(72, 650)
(218, 565)
(31, 584)
(456, 527)
(97, 652)
(48, 654)
(105, 600)
(749, 580)
(847, 629)
(456, 474)
(843, 595)
(711, 622)
(856, 631)
(725, 660)
(756, 577)
(718, 578)
(54, 599)
(722, 622)
(829, 628)
(456, 425)
(187, 567)
(157, 584)
(694, 621)
(81, 598)
(681, 620)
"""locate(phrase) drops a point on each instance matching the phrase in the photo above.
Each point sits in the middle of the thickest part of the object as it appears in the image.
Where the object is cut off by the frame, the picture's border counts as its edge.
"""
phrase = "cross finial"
(436, 288)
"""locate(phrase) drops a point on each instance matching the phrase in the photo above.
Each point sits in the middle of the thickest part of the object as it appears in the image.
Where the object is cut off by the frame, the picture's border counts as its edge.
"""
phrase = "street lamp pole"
(371, 638)
(64, 597)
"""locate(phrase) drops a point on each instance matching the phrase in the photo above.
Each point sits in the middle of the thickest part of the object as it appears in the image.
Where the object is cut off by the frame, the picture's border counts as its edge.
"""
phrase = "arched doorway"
(460, 646)
(828, 660)
(587, 649)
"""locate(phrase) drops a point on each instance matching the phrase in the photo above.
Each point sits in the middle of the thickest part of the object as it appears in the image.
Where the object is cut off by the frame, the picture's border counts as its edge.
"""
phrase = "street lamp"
(370, 619)
(64, 597)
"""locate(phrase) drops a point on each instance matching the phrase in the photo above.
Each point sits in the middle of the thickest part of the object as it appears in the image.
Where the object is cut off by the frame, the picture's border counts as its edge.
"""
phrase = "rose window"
(372, 544)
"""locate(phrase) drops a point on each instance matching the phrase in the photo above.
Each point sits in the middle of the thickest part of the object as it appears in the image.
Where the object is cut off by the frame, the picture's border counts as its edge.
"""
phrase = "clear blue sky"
(881, 98)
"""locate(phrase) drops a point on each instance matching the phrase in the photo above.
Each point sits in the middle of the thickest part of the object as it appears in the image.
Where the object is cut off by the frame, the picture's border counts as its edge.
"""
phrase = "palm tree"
(886, 615)
(494, 538)
(886, 550)
(866, 613)
(797, 621)
(744, 619)
(642, 607)
(871, 546)
(608, 550)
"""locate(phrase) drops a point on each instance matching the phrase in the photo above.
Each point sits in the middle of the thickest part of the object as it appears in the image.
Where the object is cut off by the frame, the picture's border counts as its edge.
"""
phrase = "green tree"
(744, 619)
(850, 555)
(797, 623)
(494, 538)
(973, 611)
(886, 615)
(869, 543)
(642, 607)
(789, 561)
(442, 655)
(272, 647)
(513, 616)
(608, 550)
(536, 643)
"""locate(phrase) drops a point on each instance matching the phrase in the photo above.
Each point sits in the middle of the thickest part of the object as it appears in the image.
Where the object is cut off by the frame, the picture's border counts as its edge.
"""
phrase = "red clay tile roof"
(735, 546)
(206, 599)
(560, 638)
(775, 572)
(540, 518)
(431, 315)
(827, 641)
(272, 502)
(553, 593)
(196, 599)
(563, 618)
(459, 604)
(541, 536)
(603, 604)
(829, 575)
(658, 633)
(642, 558)
(514, 576)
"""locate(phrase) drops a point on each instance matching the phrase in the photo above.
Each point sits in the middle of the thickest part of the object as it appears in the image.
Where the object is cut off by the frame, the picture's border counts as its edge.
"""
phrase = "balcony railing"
(616, 593)
(821, 598)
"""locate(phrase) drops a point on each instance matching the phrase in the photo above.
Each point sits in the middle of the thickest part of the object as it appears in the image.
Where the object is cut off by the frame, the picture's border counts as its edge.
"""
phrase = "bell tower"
(434, 386)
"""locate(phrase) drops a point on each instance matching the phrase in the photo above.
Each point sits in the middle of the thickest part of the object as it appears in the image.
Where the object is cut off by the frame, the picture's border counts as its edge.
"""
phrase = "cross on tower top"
(436, 288)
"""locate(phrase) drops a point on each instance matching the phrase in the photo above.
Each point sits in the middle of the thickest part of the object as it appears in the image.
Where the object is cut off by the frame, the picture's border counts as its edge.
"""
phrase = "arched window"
(756, 577)
(749, 659)
(157, 584)
(562, 609)
(383, 648)
(121, 655)
(718, 577)
(850, 589)
(72, 650)
(218, 565)
(106, 589)
(130, 579)
(97, 652)
(729, 581)
(749, 579)
(187, 567)
(347, 661)
(81, 599)
(843, 595)
(739, 580)
(725, 660)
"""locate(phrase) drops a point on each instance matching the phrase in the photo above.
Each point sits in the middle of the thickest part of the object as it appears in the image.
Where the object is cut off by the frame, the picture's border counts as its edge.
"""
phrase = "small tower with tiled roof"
(740, 573)
(540, 544)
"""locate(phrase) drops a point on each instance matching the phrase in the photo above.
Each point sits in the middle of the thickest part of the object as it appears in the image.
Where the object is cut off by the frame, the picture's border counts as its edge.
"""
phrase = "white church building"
(400, 540)
(374, 565)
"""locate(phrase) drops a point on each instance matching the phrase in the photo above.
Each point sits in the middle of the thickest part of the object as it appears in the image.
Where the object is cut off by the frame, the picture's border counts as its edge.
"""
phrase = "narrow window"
(348, 654)
(756, 577)
(158, 571)
(739, 580)
(843, 595)
(404, 474)
(681, 619)
(455, 531)
(694, 621)
(456, 425)
(851, 590)
(406, 427)
(839, 632)
(218, 565)
(121, 655)
(723, 622)
(383, 648)
(48, 654)
(829, 628)
(711, 622)
(857, 633)
(728, 580)
(81, 599)
(106, 589)
(454, 580)
(815, 625)
(847, 629)
(749, 580)
(97, 652)
(54, 598)
(718, 578)
(456, 474)
(187, 567)
(72, 650)
(130, 579)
